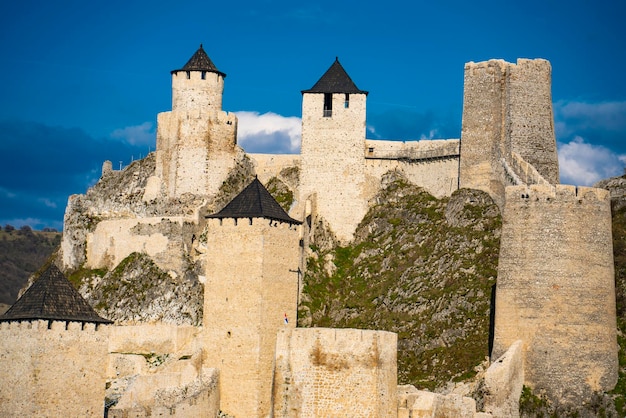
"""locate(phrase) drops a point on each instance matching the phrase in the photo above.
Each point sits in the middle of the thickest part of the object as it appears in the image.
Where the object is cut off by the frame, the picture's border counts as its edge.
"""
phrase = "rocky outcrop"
(419, 266)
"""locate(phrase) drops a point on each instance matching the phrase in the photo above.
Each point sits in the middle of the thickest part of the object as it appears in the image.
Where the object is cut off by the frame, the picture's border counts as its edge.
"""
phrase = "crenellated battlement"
(37, 325)
(557, 193)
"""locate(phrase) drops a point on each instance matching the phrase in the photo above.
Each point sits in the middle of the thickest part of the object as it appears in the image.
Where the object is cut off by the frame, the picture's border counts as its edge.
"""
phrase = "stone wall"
(195, 150)
(251, 288)
(556, 291)
(115, 239)
(431, 164)
(323, 372)
(52, 369)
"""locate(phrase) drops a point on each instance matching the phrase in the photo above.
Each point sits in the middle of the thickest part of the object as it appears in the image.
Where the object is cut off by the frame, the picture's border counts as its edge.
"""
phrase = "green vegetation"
(22, 252)
(280, 192)
(413, 271)
(619, 253)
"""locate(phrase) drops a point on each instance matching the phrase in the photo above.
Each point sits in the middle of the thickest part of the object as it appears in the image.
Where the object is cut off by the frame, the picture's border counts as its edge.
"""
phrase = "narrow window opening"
(188, 75)
(328, 105)
(203, 75)
(346, 104)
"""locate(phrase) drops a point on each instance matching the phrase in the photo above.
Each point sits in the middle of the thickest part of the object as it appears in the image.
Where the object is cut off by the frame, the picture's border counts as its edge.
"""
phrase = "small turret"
(198, 85)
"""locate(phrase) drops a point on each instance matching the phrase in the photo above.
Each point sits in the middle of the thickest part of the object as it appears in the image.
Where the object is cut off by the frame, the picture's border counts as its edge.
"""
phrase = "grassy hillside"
(421, 267)
(22, 252)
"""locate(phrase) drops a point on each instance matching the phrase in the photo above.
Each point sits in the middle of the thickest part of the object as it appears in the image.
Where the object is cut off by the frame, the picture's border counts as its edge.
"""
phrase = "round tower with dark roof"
(333, 150)
(198, 85)
(196, 140)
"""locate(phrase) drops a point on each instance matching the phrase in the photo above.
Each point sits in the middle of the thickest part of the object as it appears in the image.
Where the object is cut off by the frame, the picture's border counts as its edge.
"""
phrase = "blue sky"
(84, 80)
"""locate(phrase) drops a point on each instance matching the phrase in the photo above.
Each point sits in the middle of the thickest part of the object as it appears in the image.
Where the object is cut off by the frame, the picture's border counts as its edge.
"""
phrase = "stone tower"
(555, 289)
(507, 109)
(196, 140)
(251, 292)
(53, 352)
(333, 150)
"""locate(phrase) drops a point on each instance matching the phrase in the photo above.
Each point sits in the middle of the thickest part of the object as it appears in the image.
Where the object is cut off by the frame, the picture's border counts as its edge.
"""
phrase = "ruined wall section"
(431, 164)
(556, 291)
(483, 125)
(251, 287)
(162, 239)
(54, 369)
(530, 118)
(324, 372)
(332, 160)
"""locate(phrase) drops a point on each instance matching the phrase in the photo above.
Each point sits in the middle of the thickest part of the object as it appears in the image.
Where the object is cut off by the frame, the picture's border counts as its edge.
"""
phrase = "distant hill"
(22, 252)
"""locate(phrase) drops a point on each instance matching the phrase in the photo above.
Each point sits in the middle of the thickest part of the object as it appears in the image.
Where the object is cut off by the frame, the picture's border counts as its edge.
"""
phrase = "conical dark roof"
(52, 297)
(255, 202)
(200, 61)
(335, 80)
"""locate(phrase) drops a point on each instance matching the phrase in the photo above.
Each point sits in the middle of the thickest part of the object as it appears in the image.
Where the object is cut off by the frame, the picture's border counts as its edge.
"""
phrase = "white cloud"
(143, 134)
(582, 163)
(268, 132)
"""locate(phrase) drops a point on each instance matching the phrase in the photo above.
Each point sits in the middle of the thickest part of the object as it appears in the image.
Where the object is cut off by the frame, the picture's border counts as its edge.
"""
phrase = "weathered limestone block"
(323, 372)
(414, 403)
(165, 395)
(504, 381)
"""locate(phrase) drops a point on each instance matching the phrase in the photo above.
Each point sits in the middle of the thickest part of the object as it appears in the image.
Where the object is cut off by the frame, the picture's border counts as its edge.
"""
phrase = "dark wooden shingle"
(52, 297)
(335, 80)
(254, 202)
(200, 61)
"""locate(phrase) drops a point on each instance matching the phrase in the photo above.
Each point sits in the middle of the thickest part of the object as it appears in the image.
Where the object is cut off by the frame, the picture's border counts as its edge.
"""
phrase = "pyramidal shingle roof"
(254, 202)
(52, 297)
(335, 80)
(200, 61)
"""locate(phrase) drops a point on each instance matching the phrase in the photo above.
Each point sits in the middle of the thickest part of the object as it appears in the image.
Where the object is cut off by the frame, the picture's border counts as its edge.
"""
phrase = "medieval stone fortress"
(555, 320)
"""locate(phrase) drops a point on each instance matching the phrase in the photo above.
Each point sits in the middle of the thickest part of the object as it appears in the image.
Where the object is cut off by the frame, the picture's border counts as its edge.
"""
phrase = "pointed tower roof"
(335, 80)
(52, 297)
(255, 202)
(200, 61)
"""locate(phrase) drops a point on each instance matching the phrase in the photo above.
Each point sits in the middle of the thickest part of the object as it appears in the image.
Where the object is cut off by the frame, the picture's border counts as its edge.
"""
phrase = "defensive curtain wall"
(52, 366)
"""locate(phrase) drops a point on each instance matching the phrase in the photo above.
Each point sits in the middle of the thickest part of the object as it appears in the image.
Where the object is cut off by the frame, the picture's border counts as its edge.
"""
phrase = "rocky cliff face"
(419, 266)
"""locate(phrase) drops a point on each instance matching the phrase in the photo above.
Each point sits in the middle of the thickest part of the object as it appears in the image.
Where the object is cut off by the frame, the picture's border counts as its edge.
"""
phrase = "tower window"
(328, 105)
(346, 104)
(203, 75)
(188, 75)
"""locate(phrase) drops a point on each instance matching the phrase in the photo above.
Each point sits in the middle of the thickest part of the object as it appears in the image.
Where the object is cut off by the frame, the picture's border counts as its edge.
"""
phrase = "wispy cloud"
(268, 132)
(143, 134)
(575, 116)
